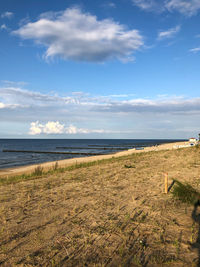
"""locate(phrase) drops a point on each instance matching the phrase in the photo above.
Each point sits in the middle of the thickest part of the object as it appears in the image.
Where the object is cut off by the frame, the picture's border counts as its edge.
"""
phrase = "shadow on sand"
(196, 218)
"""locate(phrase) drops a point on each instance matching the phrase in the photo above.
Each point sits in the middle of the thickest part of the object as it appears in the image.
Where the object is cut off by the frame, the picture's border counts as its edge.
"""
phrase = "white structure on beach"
(193, 141)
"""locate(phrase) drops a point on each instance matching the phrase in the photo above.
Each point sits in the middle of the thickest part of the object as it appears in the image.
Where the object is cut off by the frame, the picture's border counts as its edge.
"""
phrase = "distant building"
(193, 140)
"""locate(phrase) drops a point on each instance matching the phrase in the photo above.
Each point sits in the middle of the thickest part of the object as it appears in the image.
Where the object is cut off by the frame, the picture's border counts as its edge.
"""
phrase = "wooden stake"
(166, 183)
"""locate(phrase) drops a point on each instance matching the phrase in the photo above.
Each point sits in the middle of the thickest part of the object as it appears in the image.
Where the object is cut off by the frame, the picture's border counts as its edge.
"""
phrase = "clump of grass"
(38, 171)
(185, 193)
(55, 167)
(129, 166)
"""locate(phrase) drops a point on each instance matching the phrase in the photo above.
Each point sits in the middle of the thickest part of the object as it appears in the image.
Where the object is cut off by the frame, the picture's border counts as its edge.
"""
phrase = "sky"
(100, 69)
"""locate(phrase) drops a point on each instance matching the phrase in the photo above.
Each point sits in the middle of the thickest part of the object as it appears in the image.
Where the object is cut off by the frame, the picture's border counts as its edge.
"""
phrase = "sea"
(21, 152)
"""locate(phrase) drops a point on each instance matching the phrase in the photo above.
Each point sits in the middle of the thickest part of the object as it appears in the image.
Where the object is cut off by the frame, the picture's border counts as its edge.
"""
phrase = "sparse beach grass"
(110, 212)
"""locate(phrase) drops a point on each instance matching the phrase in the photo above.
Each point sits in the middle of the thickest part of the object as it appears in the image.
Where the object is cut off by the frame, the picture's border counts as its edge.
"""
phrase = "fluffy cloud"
(56, 127)
(50, 127)
(36, 128)
(7, 15)
(169, 33)
(79, 36)
(186, 7)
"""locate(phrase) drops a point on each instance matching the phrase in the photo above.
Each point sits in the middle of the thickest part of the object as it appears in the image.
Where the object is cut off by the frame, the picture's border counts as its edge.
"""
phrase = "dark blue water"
(96, 146)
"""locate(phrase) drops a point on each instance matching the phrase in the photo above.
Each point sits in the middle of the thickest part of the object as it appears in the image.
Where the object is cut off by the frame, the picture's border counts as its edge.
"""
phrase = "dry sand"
(68, 162)
(113, 213)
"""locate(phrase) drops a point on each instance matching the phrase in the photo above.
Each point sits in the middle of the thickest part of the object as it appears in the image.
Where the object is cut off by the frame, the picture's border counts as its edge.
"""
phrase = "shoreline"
(28, 169)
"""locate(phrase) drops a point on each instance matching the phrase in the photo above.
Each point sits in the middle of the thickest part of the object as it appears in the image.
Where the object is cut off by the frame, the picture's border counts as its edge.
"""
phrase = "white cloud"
(56, 127)
(53, 127)
(50, 127)
(195, 50)
(2, 105)
(112, 5)
(3, 27)
(36, 128)
(109, 5)
(185, 7)
(79, 36)
(149, 5)
(74, 130)
(9, 106)
(7, 15)
(22, 97)
(120, 96)
(174, 105)
(13, 84)
(169, 33)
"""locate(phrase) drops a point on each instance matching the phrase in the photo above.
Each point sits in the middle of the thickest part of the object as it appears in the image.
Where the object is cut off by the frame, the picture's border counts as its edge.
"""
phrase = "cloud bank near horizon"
(55, 127)
(15, 98)
(83, 114)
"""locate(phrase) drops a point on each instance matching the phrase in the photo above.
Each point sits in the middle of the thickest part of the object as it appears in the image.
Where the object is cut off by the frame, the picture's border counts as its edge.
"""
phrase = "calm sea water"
(97, 146)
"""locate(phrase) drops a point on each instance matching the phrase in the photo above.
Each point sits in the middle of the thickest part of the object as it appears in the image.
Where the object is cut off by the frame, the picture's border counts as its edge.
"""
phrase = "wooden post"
(166, 183)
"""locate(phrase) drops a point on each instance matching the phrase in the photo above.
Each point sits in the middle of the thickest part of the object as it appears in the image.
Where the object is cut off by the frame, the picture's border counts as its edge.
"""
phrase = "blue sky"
(99, 69)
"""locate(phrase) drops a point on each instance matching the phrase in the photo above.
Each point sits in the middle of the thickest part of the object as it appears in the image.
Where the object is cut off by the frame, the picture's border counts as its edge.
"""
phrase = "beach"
(68, 162)
(110, 213)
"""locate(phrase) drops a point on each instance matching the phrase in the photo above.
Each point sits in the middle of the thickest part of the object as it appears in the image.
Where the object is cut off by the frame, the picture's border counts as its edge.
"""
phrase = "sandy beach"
(110, 213)
(68, 162)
